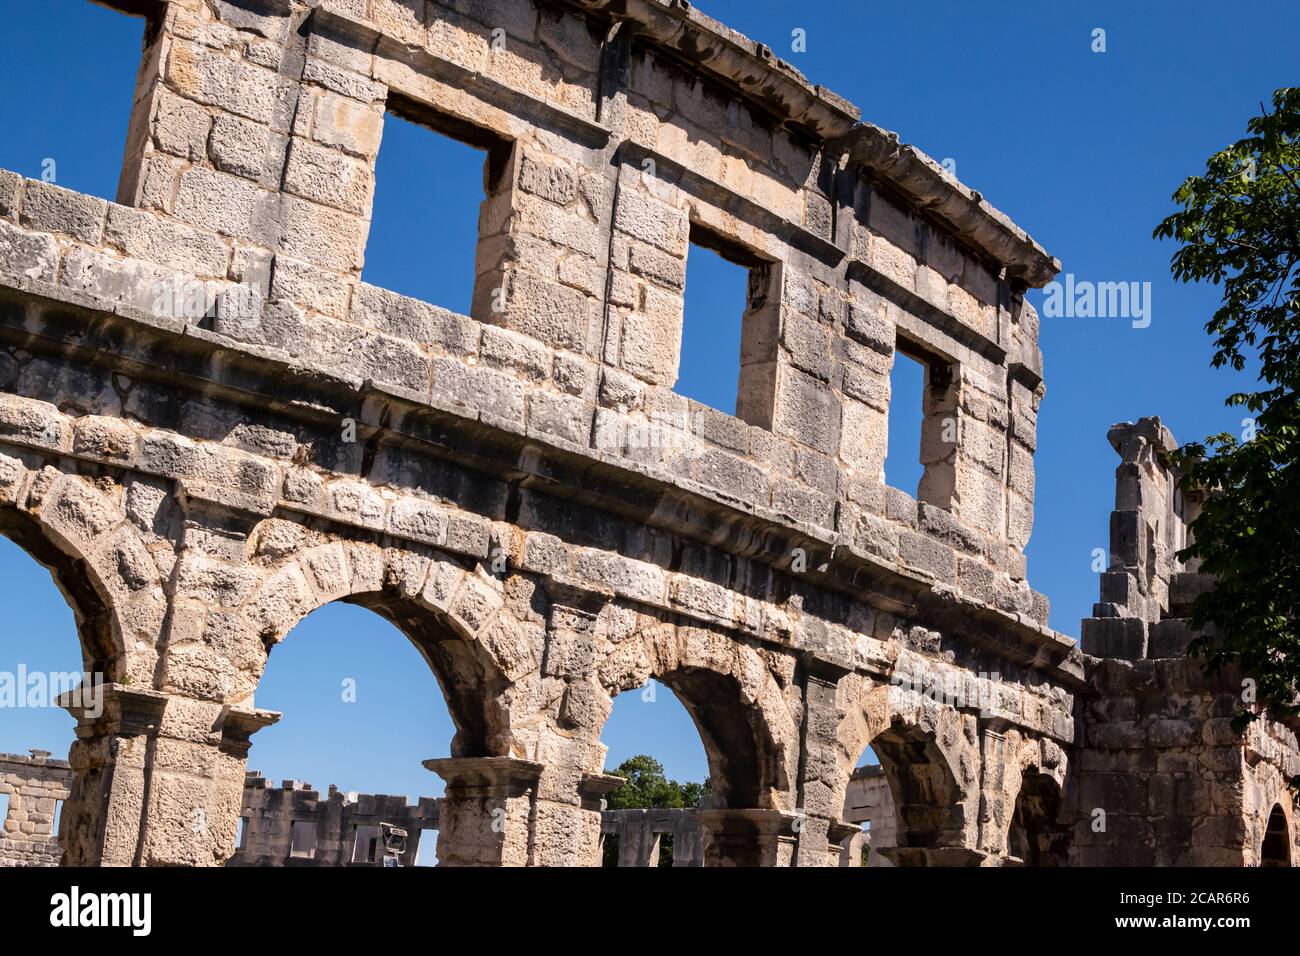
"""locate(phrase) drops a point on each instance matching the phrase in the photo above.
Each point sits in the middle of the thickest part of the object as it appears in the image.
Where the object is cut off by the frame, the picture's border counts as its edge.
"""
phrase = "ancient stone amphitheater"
(521, 492)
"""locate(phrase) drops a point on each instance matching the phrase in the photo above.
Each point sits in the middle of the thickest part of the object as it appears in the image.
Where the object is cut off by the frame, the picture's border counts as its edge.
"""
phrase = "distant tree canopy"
(1239, 227)
(648, 788)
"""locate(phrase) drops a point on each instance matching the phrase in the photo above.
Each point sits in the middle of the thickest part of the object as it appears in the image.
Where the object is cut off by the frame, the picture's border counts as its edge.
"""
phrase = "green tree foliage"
(1239, 227)
(648, 788)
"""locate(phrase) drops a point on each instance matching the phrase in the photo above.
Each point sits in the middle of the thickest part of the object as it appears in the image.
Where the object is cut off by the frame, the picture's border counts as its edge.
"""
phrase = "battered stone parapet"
(1163, 778)
(1146, 592)
(31, 789)
(520, 490)
(292, 825)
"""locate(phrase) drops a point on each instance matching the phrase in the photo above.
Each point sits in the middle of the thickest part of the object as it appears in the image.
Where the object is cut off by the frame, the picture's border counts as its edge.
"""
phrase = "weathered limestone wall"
(340, 826)
(1145, 591)
(1163, 779)
(525, 497)
(33, 786)
(870, 802)
(640, 835)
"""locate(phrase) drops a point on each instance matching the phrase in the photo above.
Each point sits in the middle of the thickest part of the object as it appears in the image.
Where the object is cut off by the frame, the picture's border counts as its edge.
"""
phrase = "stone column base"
(844, 840)
(487, 810)
(102, 820)
(937, 856)
(749, 837)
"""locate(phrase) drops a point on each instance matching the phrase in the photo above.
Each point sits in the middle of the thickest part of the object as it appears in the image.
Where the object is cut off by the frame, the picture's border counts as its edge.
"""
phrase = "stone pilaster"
(592, 790)
(487, 810)
(102, 819)
(994, 811)
(195, 771)
(817, 798)
(750, 837)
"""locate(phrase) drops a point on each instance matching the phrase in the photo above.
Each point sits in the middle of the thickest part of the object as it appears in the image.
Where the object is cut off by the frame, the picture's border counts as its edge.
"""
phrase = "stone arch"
(930, 758)
(99, 561)
(1275, 850)
(1028, 811)
(77, 528)
(750, 738)
(465, 623)
(1035, 835)
(925, 790)
(74, 580)
(1269, 809)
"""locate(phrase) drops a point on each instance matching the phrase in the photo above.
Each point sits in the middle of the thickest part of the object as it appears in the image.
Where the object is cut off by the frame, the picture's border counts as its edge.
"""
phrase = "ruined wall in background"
(870, 804)
(292, 825)
(1162, 778)
(34, 787)
(652, 838)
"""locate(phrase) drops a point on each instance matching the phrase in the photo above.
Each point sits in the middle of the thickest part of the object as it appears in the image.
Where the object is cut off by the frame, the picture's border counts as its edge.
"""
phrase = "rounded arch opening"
(1036, 837)
(924, 791)
(477, 635)
(651, 721)
(735, 706)
(25, 545)
(731, 762)
(732, 704)
(472, 687)
(42, 656)
(655, 745)
(368, 689)
(743, 765)
(1276, 848)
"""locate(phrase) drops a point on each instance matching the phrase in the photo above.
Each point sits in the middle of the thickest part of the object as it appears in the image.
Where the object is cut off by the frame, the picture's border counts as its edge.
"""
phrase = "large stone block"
(806, 411)
(50, 208)
(1124, 638)
(169, 244)
(30, 255)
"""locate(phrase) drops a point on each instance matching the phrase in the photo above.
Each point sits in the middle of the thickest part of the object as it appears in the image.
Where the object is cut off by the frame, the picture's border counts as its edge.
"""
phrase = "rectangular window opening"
(303, 841)
(903, 468)
(241, 835)
(4, 810)
(366, 847)
(433, 212)
(722, 355)
(69, 112)
(665, 849)
(609, 849)
(922, 443)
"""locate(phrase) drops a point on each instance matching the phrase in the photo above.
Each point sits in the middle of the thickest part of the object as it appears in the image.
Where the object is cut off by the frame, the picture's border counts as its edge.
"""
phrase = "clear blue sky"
(1080, 148)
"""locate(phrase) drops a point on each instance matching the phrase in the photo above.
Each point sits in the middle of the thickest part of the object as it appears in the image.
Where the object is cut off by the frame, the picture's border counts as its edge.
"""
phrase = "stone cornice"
(781, 90)
(964, 211)
(744, 64)
(216, 364)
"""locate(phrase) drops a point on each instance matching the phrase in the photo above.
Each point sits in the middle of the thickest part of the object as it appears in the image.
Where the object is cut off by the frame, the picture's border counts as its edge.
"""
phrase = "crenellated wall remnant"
(292, 825)
(1163, 778)
(32, 790)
